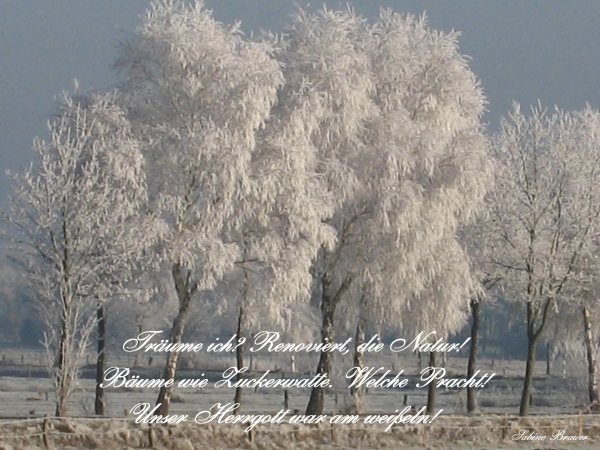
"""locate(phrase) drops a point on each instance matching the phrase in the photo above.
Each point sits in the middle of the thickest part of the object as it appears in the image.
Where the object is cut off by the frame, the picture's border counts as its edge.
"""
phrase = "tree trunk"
(100, 359)
(431, 388)
(533, 337)
(317, 396)
(359, 361)
(184, 293)
(62, 391)
(329, 301)
(136, 360)
(590, 348)
(471, 394)
(239, 356)
(548, 358)
(251, 365)
(528, 381)
(239, 351)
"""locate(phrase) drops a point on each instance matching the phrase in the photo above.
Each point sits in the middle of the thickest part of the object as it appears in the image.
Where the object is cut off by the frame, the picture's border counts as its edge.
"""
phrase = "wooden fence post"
(504, 428)
(250, 433)
(45, 432)
(150, 436)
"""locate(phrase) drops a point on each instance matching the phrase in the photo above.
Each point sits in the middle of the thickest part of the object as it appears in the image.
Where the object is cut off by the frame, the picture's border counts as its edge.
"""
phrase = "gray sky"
(521, 50)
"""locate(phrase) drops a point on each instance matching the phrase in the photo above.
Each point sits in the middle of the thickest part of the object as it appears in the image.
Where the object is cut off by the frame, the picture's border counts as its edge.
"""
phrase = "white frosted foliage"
(393, 114)
(75, 217)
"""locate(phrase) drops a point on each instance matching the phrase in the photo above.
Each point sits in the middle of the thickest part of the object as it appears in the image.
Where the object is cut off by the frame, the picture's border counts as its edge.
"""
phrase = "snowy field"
(28, 392)
(557, 403)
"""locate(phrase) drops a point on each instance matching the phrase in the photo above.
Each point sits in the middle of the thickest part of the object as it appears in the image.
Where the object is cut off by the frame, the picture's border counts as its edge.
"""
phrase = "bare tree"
(545, 210)
(72, 214)
(578, 321)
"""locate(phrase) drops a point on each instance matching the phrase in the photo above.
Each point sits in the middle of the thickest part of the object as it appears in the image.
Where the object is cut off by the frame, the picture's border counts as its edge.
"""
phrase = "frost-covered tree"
(573, 333)
(392, 112)
(589, 308)
(578, 320)
(233, 189)
(73, 218)
(545, 211)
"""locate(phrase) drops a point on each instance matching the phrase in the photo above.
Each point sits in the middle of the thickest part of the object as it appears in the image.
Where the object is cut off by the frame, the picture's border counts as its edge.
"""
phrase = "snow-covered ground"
(557, 403)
